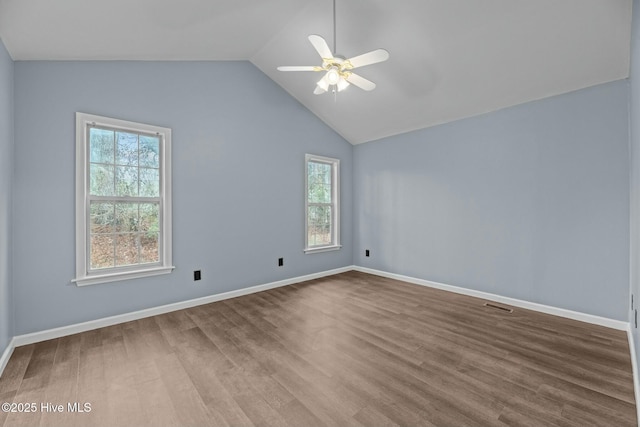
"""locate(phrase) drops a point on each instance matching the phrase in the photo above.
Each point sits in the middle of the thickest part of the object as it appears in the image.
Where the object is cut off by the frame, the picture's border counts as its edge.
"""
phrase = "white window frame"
(335, 204)
(83, 274)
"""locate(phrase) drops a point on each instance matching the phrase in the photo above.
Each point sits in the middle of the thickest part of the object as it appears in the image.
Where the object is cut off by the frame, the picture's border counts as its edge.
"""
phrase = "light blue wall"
(6, 184)
(238, 162)
(530, 202)
(634, 111)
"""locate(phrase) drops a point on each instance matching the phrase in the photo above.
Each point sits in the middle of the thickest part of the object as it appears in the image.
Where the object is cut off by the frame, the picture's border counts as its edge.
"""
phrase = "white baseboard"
(575, 315)
(113, 320)
(6, 355)
(127, 317)
(634, 369)
(35, 337)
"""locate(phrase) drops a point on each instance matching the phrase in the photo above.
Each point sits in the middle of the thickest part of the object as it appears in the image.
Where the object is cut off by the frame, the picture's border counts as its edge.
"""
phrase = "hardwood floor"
(347, 350)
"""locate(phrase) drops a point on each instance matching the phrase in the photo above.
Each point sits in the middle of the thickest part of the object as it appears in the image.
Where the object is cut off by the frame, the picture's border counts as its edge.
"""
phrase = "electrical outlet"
(366, 252)
(280, 262)
(197, 275)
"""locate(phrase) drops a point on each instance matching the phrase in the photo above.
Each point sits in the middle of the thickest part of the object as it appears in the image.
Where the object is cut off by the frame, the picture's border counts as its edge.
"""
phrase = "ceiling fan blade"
(361, 82)
(299, 68)
(369, 58)
(321, 46)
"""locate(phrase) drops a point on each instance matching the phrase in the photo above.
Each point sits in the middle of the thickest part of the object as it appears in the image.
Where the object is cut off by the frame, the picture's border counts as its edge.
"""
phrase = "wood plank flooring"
(347, 350)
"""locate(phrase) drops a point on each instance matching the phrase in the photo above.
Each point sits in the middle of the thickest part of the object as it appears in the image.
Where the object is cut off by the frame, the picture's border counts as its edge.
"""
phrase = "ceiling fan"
(338, 75)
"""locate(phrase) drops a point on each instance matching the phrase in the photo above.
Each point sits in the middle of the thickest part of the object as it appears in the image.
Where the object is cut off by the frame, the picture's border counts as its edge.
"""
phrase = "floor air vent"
(497, 307)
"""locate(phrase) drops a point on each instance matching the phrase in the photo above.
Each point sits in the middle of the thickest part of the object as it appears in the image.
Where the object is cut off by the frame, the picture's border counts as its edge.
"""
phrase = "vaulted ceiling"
(450, 59)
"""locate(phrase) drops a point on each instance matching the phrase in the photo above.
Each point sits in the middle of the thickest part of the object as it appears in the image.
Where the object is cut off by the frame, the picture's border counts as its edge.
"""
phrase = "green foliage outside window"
(123, 165)
(319, 215)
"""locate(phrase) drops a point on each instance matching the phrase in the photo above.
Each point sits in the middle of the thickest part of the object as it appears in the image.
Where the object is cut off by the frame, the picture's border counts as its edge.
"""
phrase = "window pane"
(126, 148)
(101, 145)
(101, 180)
(149, 182)
(102, 218)
(321, 172)
(149, 217)
(126, 217)
(319, 223)
(319, 182)
(149, 247)
(127, 245)
(102, 251)
(149, 151)
(126, 181)
(319, 193)
(124, 234)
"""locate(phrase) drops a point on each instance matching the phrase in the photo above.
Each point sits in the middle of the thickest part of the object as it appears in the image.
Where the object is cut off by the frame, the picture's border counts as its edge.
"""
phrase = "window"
(321, 204)
(123, 200)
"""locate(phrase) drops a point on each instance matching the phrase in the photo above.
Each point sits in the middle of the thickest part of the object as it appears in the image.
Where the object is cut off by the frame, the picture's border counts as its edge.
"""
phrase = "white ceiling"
(449, 58)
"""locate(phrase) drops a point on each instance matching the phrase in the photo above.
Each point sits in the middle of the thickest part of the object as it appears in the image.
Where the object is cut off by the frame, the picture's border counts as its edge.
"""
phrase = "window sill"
(322, 249)
(94, 279)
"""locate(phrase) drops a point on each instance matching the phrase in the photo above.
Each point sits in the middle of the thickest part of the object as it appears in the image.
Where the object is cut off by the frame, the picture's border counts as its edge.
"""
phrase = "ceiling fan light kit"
(338, 75)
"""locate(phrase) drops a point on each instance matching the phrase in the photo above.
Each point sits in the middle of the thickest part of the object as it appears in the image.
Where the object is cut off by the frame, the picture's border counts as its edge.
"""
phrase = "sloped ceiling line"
(450, 59)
